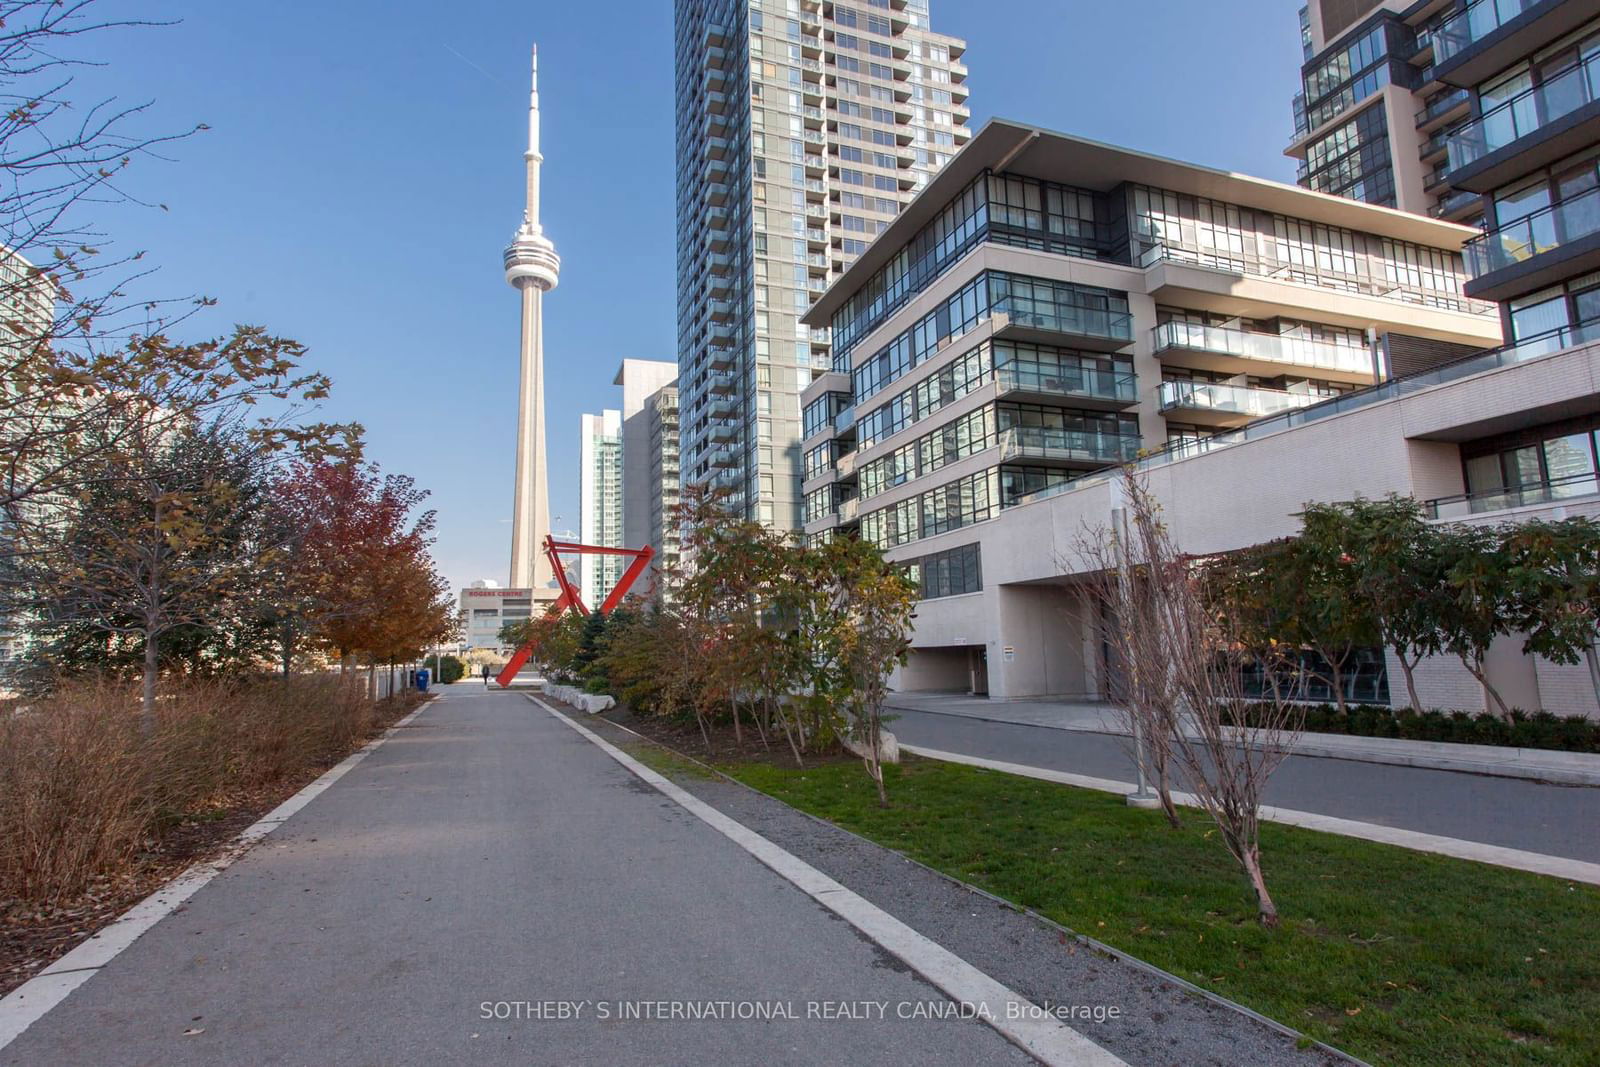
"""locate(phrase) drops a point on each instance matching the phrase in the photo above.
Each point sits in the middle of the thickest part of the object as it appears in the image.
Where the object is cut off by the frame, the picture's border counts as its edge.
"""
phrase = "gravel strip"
(1158, 1022)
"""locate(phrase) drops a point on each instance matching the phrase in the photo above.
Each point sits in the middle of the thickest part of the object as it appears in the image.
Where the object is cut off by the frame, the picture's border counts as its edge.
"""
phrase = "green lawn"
(1395, 956)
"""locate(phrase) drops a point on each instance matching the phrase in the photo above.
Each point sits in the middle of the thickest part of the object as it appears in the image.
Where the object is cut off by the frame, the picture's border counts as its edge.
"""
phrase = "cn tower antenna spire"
(532, 156)
(532, 268)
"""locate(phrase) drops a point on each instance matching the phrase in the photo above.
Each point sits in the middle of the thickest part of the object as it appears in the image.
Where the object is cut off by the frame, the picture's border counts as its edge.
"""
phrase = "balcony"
(1215, 404)
(1180, 290)
(724, 457)
(850, 510)
(1088, 387)
(1446, 106)
(1457, 205)
(1433, 146)
(1554, 491)
(1536, 127)
(723, 357)
(1558, 242)
(1067, 448)
(722, 384)
(1216, 348)
(1092, 328)
(1489, 35)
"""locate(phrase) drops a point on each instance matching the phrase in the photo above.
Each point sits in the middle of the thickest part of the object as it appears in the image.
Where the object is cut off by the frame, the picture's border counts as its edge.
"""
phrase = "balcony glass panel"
(1474, 24)
(1067, 318)
(1066, 380)
(1516, 496)
(1541, 231)
(1048, 442)
(1274, 348)
(1527, 112)
(1233, 399)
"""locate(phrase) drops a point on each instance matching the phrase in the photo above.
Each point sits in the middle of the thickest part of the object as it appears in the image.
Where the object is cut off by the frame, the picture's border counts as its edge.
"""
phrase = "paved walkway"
(486, 860)
(1564, 768)
(1551, 820)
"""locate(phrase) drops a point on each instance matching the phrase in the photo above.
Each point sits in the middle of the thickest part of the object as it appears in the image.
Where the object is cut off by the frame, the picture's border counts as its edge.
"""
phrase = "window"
(950, 573)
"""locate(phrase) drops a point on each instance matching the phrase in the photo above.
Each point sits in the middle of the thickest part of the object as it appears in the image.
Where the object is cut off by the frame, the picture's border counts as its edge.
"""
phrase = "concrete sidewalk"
(474, 891)
(1564, 768)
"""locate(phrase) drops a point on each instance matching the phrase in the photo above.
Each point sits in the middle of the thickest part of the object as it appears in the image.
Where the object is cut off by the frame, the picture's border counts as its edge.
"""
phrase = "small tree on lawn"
(873, 608)
(1227, 766)
(1142, 687)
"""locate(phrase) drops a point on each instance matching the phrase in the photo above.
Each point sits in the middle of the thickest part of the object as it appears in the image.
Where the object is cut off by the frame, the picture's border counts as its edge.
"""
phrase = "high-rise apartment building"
(1373, 113)
(641, 380)
(600, 502)
(662, 409)
(802, 128)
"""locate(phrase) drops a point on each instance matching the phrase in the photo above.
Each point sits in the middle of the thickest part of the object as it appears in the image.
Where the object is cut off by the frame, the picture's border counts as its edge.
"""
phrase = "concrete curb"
(1497, 761)
(32, 1000)
(1084, 939)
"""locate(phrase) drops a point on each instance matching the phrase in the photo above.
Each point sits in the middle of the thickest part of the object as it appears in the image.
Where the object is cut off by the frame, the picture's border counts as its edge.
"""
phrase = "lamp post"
(1141, 797)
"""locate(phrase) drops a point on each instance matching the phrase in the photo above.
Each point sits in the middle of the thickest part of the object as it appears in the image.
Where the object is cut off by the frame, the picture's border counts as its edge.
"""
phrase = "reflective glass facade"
(802, 128)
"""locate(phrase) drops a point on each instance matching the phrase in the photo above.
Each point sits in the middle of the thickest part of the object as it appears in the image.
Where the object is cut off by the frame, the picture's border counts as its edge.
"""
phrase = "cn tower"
(532, 268)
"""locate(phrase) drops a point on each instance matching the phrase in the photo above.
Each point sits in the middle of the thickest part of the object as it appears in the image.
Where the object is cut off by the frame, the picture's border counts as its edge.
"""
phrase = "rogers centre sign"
(500, 592)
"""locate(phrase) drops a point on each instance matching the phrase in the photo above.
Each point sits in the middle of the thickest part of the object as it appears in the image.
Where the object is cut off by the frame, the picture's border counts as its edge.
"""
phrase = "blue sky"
(363, 172)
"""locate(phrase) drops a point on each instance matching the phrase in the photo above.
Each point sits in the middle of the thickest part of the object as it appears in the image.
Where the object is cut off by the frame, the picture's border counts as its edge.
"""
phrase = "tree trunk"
(1593, 659)
(783, 721)
(738, 734)
(1476, 670)
(1266, 910)
(1336, 680)
(1408, 669)
(1159, 762)
(148, 705)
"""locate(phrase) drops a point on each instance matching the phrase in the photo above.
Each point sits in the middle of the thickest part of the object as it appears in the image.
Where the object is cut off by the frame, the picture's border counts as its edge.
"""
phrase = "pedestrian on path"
(486, 676)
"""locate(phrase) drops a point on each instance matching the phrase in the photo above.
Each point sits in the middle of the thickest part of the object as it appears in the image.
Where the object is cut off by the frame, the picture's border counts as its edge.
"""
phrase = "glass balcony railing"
(1252, 261)
(1515, 496)
(1027, 376)
(1083, 446)
(1269, 347)
(1527, 112)
(1231, 399)
(1522, 239)
(1478, 21)
(1520, 351)
(1066, 318)
(1441, 105)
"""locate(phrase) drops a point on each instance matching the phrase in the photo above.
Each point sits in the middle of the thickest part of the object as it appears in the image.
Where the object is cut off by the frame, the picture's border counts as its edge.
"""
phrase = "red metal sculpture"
(569, 597)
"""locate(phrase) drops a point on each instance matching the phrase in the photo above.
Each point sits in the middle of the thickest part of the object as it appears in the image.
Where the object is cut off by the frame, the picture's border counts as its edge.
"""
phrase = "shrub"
(83, 788)
(445, 671)
(1540, 729)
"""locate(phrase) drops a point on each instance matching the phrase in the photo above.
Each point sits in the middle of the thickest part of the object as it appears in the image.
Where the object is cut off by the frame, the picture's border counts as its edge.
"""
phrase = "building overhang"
(1521, 36)
(1566, 260)
(1004, 145)
(1553, 141)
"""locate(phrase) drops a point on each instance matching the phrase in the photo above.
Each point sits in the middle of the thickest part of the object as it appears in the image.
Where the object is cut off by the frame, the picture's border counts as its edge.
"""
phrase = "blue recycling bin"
(422, 680)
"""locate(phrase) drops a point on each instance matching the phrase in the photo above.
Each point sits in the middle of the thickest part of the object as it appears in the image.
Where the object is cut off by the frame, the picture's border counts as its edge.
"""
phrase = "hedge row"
(1574, 733)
